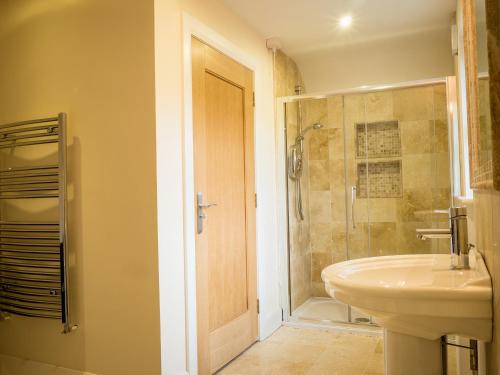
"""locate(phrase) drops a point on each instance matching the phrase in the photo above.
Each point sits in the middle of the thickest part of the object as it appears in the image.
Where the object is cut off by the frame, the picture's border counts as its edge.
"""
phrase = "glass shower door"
(397, 171)
(357, 185)
(375, 171)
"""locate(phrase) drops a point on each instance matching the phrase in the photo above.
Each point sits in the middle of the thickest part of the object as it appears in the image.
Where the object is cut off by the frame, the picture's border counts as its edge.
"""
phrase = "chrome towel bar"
(34, 254)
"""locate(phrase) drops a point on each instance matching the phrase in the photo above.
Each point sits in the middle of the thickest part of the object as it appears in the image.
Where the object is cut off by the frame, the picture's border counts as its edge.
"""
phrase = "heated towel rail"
(33, 253)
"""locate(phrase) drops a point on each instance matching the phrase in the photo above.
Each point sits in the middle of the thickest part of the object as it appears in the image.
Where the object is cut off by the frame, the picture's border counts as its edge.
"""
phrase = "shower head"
(315, 126)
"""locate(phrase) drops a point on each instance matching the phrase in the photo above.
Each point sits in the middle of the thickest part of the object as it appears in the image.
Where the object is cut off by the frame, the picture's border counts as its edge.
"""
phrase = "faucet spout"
(424, 234)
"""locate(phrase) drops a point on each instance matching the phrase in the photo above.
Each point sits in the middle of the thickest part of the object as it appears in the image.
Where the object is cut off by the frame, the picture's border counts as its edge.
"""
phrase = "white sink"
(418, 295)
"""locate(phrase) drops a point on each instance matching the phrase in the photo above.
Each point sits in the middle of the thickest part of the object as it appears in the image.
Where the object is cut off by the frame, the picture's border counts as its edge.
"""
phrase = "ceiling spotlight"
(345, 21)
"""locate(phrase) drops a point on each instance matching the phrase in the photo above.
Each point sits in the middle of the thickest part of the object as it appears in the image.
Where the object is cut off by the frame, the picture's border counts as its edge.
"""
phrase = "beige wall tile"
(319, 178)
(338, 256)
(441, 170)
(358, 241)
(335, 112)
(336, 144)
(413, 104)
(416, 137)
(408, 241)
(383, 209)
(379, 106)
(300, 280)
(354, 110)
(319, 262)
(441, 200)
(338, 209)
(361, 209)
(322, 237)
(286, 75)
(337, 174)
(320, 208)
(440, 143)
(414, 200)
(316, 110)
(339, 245)
(291, 111)
(417, 171)
(440, 103)
(383, 239)
(318, 290)
(318, 145)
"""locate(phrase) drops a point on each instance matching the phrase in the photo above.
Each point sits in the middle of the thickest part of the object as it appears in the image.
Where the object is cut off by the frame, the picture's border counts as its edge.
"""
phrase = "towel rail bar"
(34, 255)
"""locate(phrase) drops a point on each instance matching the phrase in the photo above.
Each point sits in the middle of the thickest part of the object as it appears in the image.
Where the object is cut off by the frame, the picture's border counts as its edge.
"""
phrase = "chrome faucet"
(457, 233)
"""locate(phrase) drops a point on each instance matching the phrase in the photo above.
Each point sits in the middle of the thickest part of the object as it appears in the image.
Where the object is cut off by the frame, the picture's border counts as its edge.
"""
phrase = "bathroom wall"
(486, 220)
(399, 201)
(107, 63)
(486, 203)
(94, 60)
(382, 61)
(287, 77)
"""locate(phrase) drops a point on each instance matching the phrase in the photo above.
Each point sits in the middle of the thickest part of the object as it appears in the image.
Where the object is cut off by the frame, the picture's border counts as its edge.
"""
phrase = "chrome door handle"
(354, 191)
(208, 205)
(200, 213)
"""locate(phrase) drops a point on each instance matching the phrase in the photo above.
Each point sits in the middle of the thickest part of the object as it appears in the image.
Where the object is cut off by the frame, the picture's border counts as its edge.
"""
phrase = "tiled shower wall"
(287, 76)
(385, 222)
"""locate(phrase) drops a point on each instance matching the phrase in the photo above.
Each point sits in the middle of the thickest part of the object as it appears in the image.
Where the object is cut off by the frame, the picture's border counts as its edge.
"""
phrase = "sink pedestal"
(411, 355)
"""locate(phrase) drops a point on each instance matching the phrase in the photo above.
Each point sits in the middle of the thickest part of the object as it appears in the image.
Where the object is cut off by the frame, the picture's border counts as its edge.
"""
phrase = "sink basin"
(417, 295)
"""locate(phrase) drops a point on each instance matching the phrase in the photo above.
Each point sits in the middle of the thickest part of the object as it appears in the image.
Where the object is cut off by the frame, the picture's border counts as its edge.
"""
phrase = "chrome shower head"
(315, 126)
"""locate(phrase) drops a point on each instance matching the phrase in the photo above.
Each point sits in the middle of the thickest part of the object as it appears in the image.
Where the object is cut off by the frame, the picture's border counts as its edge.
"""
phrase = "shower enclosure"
(374, 168)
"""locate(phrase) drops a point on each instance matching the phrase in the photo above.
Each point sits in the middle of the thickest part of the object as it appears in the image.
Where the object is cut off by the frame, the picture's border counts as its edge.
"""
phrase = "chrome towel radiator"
(34, 253)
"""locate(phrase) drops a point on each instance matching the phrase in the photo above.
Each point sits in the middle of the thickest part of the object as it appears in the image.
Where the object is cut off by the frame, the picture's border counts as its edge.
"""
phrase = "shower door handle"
(354, 191)
(200, 213)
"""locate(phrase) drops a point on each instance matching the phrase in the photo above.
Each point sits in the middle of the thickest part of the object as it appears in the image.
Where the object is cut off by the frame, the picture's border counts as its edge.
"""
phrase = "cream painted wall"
(407, 58)
(93, 59)
(169, 104)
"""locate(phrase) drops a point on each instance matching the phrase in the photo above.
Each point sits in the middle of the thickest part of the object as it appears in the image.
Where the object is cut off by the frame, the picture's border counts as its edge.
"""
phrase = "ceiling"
(305, 25)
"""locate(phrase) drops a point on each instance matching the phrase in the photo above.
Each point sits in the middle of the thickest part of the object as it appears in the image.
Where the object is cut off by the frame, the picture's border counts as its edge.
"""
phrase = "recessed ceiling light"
(345, 21)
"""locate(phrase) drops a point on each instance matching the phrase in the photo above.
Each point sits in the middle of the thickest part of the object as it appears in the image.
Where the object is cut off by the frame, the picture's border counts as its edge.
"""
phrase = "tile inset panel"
(380, 179)
(378, 139)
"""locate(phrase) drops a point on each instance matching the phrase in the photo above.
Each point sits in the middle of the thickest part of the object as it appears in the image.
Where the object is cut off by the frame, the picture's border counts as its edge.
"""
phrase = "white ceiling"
(305, 25)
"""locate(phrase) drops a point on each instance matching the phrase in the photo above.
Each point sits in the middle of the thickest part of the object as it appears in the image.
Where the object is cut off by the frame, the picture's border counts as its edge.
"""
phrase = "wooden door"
(224, 175)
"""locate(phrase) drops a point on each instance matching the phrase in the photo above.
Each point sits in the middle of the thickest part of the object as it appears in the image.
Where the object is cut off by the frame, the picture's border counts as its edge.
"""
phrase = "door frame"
(191, 27)
(281, 165)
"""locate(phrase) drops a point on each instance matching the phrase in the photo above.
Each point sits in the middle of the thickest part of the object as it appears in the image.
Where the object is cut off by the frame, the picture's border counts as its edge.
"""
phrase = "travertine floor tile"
(296, 351)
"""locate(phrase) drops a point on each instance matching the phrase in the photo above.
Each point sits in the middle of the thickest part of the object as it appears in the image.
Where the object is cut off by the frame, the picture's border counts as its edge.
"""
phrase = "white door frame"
(268, 321)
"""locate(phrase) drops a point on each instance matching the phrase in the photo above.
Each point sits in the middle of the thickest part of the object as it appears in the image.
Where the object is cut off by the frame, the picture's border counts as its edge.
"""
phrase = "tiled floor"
(299, 351)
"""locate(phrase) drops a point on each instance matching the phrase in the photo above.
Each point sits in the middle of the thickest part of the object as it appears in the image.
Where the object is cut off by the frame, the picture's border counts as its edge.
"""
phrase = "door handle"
(354, 191)
(200, 211)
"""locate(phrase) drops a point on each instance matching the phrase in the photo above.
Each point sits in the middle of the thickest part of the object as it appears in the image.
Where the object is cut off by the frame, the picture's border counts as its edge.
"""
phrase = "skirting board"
(17, 366)
(270, 323)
